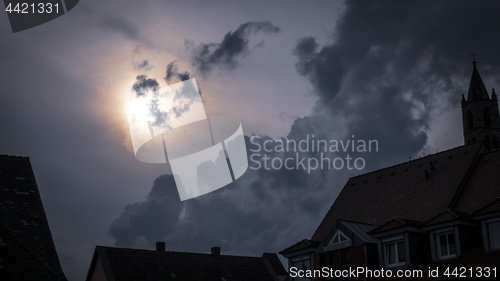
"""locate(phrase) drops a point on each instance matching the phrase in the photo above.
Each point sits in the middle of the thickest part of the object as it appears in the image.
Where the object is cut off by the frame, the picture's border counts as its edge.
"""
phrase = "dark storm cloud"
(250, 215)
(391, 62)
(144, 84)
(234, 45)
(143, 66)
(264, 210)
(173, 73)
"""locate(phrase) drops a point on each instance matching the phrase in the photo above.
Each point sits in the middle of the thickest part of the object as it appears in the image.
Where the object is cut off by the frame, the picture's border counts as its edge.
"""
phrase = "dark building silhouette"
(480, 113)
(27, 251)
(440, 211)
(110, 263)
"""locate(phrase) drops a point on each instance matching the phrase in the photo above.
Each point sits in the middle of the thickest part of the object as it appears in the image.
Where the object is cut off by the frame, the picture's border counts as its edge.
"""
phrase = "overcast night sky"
(392, 71)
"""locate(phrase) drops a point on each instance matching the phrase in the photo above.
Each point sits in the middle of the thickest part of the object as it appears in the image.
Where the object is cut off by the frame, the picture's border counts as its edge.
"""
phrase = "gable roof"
(360, 230)
(416, 190)
(27, 251)
(134, 264)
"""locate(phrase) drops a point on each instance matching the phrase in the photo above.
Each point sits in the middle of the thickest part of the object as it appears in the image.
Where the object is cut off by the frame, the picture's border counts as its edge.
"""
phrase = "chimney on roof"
(215, 251)
(160, 246)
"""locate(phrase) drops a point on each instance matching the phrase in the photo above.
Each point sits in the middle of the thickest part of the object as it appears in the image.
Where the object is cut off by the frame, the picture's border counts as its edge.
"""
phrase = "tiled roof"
(490, 208)
(394, 224)
(482, 187)
(134, 264)
(301, 245)
(446, 216)
(27, 251)
(416, 190)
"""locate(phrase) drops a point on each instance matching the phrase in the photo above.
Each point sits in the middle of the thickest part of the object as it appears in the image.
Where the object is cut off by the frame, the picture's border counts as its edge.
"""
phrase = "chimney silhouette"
(160, 246)
(215, 251)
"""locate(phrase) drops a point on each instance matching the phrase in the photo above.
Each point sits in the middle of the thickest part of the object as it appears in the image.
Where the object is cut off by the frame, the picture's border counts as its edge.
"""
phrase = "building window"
(494, 235)
(470, 122)
(487, 122)
(447, 247)
(395, 252)
(301, 263)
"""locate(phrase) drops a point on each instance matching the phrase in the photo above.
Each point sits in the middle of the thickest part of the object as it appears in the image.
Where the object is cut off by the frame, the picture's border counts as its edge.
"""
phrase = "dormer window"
(339, 237)
(446, 244)
(493, 227)
(338, 241)
(395, 251)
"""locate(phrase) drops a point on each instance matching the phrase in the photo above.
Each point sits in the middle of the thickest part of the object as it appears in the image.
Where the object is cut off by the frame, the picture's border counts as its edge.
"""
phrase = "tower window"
(487, 122)
(470, 123)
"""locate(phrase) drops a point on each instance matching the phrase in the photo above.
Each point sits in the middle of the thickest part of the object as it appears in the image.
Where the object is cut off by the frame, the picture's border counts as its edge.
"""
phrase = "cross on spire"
(473, 57)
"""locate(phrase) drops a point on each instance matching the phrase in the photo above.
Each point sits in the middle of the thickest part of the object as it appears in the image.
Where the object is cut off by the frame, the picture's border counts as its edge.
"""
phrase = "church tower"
(480, 115)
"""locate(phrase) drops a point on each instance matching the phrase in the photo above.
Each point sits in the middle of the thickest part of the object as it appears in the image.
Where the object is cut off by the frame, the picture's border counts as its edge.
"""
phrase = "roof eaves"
(484, 212)
(399, 224)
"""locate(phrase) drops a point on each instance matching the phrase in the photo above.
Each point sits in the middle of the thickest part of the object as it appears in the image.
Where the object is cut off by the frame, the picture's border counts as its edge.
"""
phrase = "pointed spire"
(463, 100)
(477, 90)
(493, 94)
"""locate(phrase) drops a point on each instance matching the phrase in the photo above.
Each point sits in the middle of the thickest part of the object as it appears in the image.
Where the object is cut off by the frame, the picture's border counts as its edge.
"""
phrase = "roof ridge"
(176, 252)
(356, 222)
(417, 159)
(14, 156)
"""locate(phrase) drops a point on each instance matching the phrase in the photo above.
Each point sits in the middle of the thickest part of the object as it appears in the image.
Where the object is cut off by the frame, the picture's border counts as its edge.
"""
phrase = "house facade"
(438, 216)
